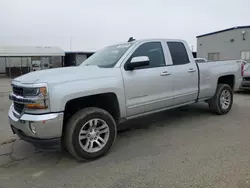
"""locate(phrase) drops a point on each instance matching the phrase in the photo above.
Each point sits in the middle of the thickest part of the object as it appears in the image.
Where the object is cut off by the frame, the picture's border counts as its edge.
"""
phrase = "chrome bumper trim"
(245, 84)
(47, 126)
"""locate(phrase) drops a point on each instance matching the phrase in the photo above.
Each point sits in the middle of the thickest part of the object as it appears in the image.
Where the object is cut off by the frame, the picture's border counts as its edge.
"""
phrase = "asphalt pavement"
(185, 147)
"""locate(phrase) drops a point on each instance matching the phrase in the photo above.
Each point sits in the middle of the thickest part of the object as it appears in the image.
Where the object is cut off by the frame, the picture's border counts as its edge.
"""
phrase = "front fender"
(60, 94)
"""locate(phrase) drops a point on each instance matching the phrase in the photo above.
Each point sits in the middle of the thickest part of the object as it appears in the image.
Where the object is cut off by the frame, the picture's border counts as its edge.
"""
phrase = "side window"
(245, 55)
(154, 52)
(178, 53)
(214, 56)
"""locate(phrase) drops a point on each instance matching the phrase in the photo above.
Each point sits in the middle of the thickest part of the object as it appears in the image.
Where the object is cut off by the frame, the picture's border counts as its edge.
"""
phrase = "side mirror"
(139, 61)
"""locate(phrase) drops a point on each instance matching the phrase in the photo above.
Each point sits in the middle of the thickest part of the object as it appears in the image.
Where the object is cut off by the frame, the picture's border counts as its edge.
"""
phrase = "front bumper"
(44, 144)
(43, 131)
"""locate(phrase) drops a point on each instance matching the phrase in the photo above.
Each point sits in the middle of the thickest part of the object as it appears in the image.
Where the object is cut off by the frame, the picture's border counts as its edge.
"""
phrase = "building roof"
(18, 51)
(220, 31)
(78, 52)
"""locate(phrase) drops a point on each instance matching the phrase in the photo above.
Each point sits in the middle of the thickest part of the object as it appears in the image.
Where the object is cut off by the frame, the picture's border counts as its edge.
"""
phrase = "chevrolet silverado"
(79, 108)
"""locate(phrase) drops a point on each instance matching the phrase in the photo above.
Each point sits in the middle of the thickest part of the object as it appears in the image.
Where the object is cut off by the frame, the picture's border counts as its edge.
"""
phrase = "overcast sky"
(94, 24)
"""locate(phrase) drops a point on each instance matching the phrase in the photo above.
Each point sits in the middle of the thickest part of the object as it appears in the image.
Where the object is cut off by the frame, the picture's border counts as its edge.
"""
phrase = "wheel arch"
(227, 79)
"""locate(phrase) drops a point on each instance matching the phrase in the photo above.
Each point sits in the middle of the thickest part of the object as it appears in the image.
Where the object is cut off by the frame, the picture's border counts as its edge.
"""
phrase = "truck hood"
(66, 74)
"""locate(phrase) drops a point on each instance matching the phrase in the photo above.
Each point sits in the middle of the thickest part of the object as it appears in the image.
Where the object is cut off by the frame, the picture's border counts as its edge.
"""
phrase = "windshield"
(107, 57)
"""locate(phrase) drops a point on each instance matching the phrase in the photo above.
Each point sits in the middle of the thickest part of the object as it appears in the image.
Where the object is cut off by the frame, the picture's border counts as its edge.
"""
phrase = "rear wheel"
(90, 133)
(222, 101)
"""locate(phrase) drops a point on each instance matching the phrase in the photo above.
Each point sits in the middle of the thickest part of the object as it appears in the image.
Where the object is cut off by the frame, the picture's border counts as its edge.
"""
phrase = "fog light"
(32, 128)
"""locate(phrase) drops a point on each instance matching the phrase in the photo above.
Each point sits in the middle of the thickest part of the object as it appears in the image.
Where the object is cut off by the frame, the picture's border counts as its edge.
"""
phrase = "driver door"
(148, 88)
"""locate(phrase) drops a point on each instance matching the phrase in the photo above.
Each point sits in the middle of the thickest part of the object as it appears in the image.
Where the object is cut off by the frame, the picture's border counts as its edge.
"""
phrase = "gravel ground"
(185, 147)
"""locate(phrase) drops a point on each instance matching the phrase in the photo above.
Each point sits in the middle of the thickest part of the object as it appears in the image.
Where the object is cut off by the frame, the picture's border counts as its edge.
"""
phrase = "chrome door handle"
(191, 70)
(165, 73)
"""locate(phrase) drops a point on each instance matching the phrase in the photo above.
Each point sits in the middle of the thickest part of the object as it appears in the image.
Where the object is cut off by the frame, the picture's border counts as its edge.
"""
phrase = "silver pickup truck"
(80, 108)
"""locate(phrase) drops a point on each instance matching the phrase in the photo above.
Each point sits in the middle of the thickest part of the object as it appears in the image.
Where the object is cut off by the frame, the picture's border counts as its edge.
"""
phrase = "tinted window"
(178, 53)
(154, 52)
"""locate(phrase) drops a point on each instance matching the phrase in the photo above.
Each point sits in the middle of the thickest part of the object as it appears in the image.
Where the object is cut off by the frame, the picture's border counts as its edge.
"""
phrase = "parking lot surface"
(185, 147)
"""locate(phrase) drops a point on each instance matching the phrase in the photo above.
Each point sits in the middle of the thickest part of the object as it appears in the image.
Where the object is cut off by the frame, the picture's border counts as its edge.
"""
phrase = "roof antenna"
(131, 39)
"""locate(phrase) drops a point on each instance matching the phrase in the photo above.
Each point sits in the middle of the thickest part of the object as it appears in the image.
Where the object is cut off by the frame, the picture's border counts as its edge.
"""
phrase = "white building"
(231, 43)
(18, 60)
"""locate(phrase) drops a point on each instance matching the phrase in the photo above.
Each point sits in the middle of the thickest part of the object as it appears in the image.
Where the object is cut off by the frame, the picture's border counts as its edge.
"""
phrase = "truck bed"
(211, 70)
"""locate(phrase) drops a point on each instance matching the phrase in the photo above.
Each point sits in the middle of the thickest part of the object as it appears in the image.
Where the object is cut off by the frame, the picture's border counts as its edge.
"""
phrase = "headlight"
(30, 91)
(41, 95)
(42, 91)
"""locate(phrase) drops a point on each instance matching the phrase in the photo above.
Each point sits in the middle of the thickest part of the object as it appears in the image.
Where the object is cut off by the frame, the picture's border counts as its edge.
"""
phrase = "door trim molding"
(185, 94)
(159, 110)
(150, 102)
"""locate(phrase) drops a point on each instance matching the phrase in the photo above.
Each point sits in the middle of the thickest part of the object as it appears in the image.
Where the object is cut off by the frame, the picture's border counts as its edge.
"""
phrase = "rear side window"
(178, 53)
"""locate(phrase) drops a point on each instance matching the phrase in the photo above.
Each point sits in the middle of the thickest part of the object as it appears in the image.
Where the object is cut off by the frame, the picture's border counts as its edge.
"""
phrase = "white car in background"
(200, 60)
(245, 84)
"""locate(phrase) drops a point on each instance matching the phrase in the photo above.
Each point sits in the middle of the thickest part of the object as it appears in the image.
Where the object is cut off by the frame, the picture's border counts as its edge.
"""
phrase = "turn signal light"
(36, 106)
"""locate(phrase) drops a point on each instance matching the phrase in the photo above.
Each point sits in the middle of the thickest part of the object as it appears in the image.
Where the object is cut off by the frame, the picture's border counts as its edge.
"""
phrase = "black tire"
(74, 126)
(214, 103)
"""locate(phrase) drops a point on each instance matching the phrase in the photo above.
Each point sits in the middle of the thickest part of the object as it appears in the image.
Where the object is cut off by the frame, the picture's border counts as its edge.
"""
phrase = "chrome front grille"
(18, 107)
(17, 90)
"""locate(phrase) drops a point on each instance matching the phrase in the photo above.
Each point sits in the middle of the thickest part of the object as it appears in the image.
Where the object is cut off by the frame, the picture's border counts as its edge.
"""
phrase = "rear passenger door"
(184, 74)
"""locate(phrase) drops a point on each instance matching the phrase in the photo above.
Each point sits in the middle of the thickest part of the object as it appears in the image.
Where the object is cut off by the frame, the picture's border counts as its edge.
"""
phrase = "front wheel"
(222, 101)
(90, 133)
